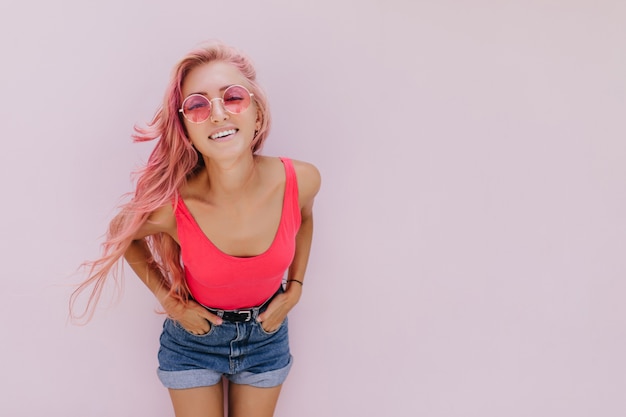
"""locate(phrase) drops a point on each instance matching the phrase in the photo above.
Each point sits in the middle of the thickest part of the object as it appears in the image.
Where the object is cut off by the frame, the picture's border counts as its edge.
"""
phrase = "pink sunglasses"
(197, 108)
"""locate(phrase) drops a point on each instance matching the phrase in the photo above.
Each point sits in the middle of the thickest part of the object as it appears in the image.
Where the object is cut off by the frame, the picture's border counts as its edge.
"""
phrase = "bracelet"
(295, 280)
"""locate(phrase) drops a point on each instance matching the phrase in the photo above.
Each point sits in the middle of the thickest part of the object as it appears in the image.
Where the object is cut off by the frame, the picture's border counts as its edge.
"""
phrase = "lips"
(223, 134)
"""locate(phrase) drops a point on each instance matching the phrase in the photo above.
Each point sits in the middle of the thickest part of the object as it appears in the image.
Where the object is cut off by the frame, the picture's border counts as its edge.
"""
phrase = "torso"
(236, 246)
(236, 249)
(243, 229)
(245, 226)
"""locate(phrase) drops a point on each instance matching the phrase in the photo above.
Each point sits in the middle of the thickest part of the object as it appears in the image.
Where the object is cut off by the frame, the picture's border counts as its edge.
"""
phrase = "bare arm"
(309, 181)
(297, 268)
(192, 316)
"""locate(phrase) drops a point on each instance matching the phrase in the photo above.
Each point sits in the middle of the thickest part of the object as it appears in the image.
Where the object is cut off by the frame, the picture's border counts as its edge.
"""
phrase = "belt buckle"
(248, 312)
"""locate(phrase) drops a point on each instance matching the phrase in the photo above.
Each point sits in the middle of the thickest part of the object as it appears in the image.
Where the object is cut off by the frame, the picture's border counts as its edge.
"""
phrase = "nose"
(218, 111)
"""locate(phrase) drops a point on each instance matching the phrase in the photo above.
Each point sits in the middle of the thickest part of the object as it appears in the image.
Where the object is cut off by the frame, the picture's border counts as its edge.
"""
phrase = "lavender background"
(470, 232)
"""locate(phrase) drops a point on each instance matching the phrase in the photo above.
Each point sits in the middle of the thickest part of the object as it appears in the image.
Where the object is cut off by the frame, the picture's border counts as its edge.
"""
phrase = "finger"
(205, 314)
(266, 315)
(193, 330)
(201, 329)
(275, 306)
(212, 318)
(261, 317)
(270, 323)
(202, 332)
(270, 329)
(271, 315)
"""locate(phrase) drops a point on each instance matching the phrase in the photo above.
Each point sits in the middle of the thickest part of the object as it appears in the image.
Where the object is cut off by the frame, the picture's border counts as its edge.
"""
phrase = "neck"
(231, 177)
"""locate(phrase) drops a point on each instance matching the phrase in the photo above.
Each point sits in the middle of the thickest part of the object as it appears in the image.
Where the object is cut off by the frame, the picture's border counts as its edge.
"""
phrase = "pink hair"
(170, 164)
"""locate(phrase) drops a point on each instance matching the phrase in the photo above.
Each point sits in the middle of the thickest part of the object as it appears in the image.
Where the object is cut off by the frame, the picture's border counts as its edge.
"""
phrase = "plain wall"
(468, 257)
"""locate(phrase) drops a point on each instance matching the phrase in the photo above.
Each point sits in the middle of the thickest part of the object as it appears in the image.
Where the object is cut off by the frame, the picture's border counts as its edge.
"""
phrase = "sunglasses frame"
(181, 110)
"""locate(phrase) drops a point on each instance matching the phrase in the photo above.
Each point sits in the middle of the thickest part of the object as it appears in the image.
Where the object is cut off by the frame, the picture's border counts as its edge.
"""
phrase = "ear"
(259, 120)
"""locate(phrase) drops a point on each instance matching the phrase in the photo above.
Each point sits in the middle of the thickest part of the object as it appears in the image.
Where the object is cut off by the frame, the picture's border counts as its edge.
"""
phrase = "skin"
(227, 199)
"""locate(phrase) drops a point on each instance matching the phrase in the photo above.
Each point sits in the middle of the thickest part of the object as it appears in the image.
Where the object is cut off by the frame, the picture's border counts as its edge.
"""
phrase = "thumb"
(261, 317)
(269, 311)
(211, 317)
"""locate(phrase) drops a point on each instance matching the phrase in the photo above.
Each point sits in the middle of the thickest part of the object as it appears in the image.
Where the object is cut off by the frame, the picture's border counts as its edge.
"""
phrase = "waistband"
(244, 315)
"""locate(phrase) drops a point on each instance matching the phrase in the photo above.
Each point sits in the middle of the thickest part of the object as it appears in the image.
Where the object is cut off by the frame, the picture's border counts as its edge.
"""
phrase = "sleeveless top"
(221, 281)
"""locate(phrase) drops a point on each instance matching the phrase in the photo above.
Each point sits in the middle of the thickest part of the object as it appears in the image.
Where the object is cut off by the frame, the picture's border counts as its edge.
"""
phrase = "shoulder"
(309, 181)
(307, 175)
(163, 215)
(161, 220)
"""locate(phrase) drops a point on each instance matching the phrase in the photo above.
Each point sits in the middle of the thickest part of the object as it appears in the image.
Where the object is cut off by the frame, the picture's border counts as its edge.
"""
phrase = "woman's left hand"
(277, 310)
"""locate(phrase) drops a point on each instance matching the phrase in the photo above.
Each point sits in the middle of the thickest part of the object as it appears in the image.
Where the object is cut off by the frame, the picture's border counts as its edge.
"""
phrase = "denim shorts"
(244, 353)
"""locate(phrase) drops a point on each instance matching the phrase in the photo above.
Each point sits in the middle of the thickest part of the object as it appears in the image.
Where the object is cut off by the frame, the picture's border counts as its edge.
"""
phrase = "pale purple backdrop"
(470, 233)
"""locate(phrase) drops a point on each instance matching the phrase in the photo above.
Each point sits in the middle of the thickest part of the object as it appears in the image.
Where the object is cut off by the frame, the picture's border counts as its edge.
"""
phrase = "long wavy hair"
(170, 164)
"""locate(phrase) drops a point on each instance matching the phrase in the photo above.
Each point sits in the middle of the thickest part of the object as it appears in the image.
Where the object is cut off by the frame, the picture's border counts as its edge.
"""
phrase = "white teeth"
(223, 133)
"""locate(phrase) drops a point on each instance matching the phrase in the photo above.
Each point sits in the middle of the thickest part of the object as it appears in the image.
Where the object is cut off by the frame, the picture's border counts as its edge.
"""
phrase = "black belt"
(242, 316)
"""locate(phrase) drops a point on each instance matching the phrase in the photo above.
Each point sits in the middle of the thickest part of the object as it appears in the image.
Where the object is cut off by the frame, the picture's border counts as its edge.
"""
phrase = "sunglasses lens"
(196, 108)
(236, 99)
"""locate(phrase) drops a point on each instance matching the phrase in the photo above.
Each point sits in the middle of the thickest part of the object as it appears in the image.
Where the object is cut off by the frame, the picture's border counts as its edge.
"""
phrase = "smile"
(223, 134)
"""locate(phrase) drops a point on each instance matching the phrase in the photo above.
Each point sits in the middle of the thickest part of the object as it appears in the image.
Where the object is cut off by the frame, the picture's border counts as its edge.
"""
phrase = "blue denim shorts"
(242, 352)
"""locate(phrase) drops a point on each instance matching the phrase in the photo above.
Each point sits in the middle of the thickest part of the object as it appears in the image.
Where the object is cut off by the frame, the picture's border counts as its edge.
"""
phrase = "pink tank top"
(226, 282)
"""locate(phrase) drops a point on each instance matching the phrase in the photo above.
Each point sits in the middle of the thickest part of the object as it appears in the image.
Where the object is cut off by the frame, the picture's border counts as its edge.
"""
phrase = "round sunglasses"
(197, 108)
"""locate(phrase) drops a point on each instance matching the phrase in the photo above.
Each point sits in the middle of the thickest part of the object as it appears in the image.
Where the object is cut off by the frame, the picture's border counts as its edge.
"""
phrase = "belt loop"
(255, 313)
(220, 313)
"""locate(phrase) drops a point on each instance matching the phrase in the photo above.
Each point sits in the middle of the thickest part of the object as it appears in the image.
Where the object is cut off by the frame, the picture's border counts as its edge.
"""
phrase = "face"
(224, 134)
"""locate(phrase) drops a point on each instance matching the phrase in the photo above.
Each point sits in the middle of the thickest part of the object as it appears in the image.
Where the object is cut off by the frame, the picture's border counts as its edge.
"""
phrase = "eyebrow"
(204, 93)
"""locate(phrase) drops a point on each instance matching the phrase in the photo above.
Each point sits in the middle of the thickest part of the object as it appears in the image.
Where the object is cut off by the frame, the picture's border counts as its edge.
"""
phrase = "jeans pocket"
(180, 327)
(265, 332)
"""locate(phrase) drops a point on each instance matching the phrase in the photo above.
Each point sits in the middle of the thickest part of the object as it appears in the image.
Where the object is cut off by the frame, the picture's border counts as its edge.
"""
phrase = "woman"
(211, 230)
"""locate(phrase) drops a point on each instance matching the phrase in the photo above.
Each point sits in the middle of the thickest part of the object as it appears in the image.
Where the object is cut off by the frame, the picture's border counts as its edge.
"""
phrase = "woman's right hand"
(193, 317)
